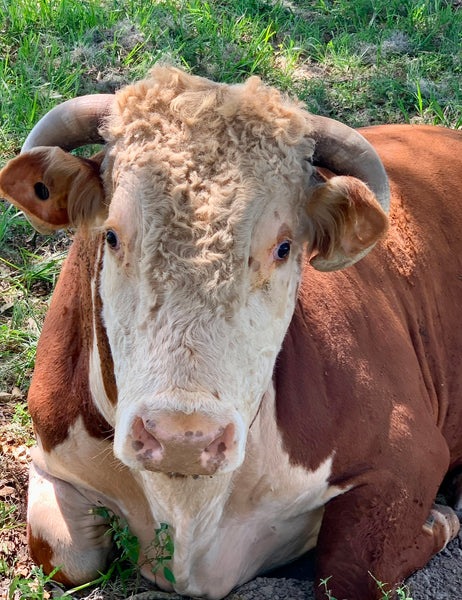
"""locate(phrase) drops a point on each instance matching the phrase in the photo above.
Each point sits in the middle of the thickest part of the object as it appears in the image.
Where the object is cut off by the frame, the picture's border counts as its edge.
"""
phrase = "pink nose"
(182, 444)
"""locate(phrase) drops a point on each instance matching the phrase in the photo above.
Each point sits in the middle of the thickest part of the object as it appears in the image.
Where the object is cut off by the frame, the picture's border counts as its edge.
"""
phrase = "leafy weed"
(31, 587)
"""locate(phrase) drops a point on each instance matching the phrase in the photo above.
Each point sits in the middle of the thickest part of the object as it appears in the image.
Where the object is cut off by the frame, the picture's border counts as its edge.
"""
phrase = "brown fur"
(42, 554)
(59, 390)
(344, 213)
(369, 367)
(75, 190)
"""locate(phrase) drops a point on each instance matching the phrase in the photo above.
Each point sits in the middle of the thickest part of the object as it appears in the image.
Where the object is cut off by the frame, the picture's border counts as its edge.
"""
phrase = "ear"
(345, 222)
(54, 188)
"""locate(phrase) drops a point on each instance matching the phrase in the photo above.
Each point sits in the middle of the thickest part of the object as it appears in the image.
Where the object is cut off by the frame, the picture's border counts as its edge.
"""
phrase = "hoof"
(443, 524)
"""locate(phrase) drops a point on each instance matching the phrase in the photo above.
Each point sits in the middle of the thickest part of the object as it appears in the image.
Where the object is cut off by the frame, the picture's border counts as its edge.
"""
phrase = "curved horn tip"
(344, 151)
(72, 124)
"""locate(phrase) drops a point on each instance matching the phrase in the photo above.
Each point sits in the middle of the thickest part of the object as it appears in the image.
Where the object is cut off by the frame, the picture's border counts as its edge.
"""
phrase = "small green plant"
(159, 553)
(31, 587)
(21, 415)
(4, 568)
(163, 549)
(327, 592)
(7, 516)
(402, 592)
(125, 566)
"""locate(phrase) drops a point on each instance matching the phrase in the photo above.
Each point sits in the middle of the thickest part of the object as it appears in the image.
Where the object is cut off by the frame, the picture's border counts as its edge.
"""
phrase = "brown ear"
(54, 188)
(345, 222)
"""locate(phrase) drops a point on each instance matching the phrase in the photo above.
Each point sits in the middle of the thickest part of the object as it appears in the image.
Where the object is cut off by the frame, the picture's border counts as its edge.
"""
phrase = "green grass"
(363, 62)
(27, 279)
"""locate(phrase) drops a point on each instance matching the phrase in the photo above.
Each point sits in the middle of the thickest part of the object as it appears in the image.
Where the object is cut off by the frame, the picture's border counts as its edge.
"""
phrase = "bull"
(216, 358)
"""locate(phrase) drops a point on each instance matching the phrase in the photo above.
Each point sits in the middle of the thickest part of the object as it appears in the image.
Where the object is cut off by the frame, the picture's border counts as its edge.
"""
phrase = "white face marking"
(203, 187)
(183, 344)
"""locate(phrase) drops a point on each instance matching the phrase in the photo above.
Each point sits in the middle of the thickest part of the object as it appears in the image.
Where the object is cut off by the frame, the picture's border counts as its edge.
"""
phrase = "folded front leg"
(385, 530)
(63, 530)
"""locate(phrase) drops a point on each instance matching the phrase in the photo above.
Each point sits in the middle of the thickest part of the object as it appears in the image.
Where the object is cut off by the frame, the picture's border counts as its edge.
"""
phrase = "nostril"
(179, 443)
(216, 447)
(222, 443)
(143, 440)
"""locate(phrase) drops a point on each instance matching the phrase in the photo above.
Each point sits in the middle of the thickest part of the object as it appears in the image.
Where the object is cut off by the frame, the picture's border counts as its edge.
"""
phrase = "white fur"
(184, 354)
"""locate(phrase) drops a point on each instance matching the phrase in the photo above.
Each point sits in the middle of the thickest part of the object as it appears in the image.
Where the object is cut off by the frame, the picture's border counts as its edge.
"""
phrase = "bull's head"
(206, 195)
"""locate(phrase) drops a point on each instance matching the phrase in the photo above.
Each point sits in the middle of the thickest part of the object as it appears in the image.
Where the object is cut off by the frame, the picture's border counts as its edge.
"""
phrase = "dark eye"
(282, 250)
(112, 239)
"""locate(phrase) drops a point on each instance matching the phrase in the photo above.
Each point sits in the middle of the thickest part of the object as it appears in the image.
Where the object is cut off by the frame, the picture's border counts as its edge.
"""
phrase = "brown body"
(370, 366)
(344, 447)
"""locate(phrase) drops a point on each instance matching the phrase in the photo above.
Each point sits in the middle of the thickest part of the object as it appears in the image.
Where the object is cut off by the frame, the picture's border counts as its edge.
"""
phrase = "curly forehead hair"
(201, 153)
(196, 101)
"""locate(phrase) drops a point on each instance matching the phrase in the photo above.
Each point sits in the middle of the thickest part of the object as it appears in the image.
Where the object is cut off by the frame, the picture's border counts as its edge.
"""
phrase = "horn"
(72, 124)
(344, 151)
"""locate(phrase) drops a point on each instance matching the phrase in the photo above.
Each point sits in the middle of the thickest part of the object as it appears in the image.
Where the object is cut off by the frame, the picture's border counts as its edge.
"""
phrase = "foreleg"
(383, 528)
(63, 530)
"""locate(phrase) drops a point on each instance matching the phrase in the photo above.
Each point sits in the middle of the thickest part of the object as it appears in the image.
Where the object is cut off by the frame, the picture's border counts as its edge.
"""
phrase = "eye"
(282, 250)
(112, 239)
